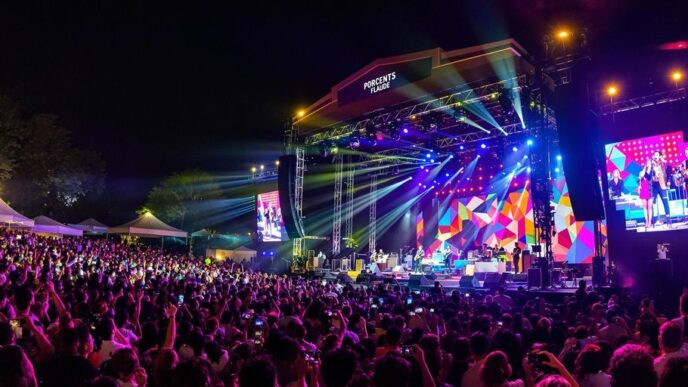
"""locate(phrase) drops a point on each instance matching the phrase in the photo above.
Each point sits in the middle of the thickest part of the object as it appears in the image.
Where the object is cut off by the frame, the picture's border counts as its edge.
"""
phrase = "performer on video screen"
(616, 184)
(645, 192)
(659, 183)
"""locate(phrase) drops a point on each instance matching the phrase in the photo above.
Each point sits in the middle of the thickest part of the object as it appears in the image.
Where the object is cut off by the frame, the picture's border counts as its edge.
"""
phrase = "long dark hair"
(590, 360)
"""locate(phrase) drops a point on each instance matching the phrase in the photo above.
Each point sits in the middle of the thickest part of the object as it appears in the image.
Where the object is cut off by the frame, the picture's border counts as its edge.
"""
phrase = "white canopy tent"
(148, 226)
(11, 217)
(45, 225)
(91, 226)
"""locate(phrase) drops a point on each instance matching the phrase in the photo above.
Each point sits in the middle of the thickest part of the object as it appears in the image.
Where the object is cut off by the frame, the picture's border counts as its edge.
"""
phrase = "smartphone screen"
(180, 299)
(409, 300)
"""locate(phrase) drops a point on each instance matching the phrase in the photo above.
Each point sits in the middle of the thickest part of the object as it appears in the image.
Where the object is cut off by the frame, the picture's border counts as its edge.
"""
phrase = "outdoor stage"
(460, 151)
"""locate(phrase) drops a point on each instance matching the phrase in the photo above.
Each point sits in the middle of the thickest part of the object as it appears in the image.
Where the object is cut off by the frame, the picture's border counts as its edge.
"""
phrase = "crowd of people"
(85, 312)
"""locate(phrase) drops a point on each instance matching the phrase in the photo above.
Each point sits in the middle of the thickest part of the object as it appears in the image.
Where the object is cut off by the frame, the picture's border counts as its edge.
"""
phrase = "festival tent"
(9, 216)
(91, 226)
(45, 225)
(148, 226)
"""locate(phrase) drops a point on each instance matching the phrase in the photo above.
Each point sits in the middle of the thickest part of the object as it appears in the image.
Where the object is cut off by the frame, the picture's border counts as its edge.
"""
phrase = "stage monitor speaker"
(534, 280)
(480, 276)
(598, 271)
(468, 282)
(519, 278)
(578, 143)
(286, 183)
(492, 280)
(414, 281)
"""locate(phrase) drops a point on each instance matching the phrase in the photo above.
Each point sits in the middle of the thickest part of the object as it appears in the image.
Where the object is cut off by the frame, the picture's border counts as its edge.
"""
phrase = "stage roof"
(414, 77)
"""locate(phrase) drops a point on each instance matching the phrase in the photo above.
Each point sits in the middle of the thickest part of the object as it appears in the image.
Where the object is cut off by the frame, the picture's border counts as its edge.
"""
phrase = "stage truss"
(448, 136)
(337, 213)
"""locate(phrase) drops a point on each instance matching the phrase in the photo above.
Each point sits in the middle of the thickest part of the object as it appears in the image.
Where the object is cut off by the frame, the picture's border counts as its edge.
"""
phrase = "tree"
(179, 199)
(11, 126)
(49, 174)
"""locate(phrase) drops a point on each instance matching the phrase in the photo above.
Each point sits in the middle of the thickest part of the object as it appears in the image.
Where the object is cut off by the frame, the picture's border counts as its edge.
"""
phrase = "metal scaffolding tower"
(349, 217)
(298, 195)
(372, 235)
(338, 160)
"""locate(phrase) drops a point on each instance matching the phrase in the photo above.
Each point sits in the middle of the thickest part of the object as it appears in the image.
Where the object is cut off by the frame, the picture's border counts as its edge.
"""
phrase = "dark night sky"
(157, 87)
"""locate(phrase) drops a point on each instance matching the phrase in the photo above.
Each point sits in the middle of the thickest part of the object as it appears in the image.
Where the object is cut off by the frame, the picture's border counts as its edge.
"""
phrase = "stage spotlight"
(529, 142)
(277, 163)
(556, 170)
(446, 174)
(253, 169)
(563, 34)
(528, 169)
(514, 149)
(420, 185)
(676, 75)
(461, 147)
(432, 160)
(405, 130)
(483, 146)
(612, 90)
(428, 156)
(301, 113)
(558, 157)
(262, 167)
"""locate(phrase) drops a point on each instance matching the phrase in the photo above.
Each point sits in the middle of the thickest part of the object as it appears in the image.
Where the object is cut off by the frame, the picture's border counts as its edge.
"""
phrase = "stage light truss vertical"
(338, 160)
(349, 217)
(298, 195)
(372, 234)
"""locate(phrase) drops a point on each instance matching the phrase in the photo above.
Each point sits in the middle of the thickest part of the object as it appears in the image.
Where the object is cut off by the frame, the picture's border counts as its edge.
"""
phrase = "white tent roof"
(51, 226)
(9, 215)
(91, 226)
(147, 225)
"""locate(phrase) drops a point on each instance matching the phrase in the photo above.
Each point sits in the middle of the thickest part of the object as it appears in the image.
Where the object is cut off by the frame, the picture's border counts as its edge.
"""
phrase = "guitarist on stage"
(418, 259)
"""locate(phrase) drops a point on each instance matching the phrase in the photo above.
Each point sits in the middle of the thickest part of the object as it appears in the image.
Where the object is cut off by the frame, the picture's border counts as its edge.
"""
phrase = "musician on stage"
(447, 257)
(418, 259)
(516, 256)
(381, 257)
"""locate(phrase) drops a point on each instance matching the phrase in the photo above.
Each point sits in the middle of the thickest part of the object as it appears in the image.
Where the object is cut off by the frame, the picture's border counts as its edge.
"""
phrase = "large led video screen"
(269, 218)
(471, 221)
(646, 180)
